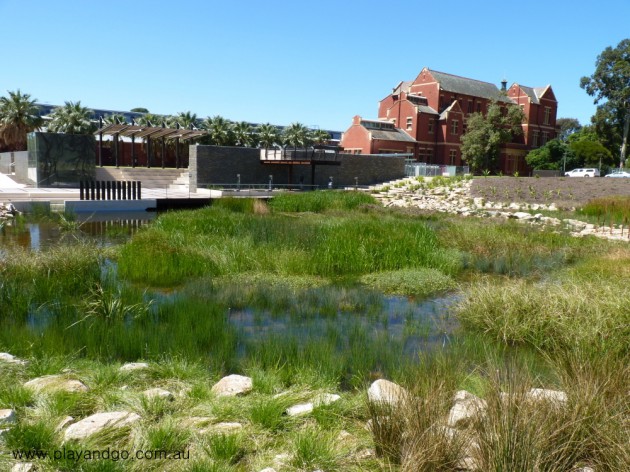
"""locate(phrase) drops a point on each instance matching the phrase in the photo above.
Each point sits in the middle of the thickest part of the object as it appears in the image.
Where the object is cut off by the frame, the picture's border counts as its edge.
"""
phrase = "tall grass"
(320, 201)
(608, 210)
(216, 241)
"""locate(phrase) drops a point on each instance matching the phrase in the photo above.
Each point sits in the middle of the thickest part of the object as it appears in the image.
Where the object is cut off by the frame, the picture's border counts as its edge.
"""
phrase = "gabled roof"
(535, 93)
(465, 86)
(452, 107)
(385, 130)
(426, 109)
(403, 86)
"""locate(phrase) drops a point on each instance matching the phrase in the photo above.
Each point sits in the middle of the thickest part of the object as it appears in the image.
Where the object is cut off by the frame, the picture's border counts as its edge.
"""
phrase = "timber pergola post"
(149, 133)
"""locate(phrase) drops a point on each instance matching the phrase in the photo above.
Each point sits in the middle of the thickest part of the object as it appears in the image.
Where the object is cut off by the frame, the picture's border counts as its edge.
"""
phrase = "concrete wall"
(19, 160)
(220, 165)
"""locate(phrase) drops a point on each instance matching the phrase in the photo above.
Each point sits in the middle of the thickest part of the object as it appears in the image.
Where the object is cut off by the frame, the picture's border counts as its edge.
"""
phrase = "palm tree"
(18, 116)
(320, 136)
(220, 131)
(71, 118)
(244, 134)
(115, 119)
(297, 135)
(149, 119)
(268, 136)
(185, 120)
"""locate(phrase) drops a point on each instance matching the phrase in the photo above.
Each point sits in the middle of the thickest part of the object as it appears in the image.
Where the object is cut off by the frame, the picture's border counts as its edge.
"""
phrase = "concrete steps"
(156, 178)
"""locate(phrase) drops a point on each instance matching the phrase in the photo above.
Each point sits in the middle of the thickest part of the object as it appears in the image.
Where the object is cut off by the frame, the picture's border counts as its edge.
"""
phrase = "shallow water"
(104, 229)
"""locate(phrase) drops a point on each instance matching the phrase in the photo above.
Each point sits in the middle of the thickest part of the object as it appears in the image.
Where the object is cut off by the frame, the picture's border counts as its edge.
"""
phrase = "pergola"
(148, 133)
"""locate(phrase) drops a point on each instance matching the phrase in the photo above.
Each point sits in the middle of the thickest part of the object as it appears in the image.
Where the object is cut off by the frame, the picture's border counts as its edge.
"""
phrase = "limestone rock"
(56, 383)
(63, 423)
(325, 399)
(24, 467)
(268, 469)
(300, 409)
(11, 359)
(158, 393)
(93, 424)
(386, 392)
(7, 416)
(557, 397)
(232, 385)
(466, 407)
(131, 366)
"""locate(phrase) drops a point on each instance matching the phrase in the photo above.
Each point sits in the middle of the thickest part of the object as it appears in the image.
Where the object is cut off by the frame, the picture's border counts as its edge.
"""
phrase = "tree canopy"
(610, 83)
(486, 134)
(567, 126)
(18, 116)
(71, 118)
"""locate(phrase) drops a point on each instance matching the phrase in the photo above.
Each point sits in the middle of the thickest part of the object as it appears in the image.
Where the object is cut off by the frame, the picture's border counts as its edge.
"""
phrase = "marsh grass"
(551, 316)
(418, 282)
(608, 210)
(314, 449)
(227, 448)
(320, 201)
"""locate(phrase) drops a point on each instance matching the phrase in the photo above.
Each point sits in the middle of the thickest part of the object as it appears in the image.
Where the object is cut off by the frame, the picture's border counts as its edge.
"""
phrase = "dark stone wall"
(60, 160)
(220, 165)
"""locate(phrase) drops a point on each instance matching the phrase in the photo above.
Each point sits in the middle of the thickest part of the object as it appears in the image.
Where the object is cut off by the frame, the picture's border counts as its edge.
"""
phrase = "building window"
(431, 125)
(409, 122)
(535, 139)
(470, 106)
(478, 107)
(545, 138)
(452, 156)
(454, 127)
(547, 115)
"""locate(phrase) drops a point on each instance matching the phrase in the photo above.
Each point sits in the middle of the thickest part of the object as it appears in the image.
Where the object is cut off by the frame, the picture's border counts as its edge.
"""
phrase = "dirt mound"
(565, 192)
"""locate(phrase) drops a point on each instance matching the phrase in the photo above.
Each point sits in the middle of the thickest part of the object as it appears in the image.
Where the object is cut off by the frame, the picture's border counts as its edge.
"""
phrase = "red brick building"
(432, 111)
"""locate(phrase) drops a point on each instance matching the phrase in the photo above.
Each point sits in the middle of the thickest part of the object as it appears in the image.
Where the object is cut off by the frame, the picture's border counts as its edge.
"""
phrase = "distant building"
(426, 118)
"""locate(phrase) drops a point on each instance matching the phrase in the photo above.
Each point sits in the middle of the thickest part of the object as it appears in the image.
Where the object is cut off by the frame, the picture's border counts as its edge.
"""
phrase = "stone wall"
(220, 165)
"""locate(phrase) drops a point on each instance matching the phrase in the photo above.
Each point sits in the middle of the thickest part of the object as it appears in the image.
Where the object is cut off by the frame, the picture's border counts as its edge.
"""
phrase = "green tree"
(297, 135)
(71, 118)
(139, 110)
(149, 119)
(591, 153)
(114, 119)
(320, 136)
(268, 136)
(18, 116)
(610, 83)
(486, 134)
(220, 131)
(554, 155)
(185, 119)
(567, 126)
(244, 134)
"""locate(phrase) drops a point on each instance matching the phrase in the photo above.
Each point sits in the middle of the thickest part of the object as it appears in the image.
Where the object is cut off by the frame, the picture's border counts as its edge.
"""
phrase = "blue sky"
(317, 63)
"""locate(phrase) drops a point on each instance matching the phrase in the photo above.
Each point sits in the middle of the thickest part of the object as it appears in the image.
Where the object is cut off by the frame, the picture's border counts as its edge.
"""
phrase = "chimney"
(504, 85)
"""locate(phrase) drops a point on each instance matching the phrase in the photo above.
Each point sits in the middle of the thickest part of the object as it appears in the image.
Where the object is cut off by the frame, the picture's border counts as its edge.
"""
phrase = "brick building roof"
(465, 86)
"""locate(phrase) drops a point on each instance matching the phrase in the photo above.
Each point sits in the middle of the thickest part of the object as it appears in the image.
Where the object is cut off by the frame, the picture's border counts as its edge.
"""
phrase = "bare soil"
(565, 192)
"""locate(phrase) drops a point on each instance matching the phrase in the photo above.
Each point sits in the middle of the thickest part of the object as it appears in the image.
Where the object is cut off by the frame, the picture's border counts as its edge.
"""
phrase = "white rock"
(24, 467)
(386, 392)
(158, 393)
(227, 426)
(542, 394)
(93, 424)
(521, 215)
(268, 469)
(11, 359)
(131, 366)
(325, 399)
(466, 407)
(7, 416)
(300, 409)
(56, 383)
(63, 423)
(232, 385)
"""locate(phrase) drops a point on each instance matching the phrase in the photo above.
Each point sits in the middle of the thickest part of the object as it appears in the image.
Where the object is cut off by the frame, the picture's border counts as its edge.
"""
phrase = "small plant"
(485, 173)
(225, 447)
(516, 174)
(314, 449)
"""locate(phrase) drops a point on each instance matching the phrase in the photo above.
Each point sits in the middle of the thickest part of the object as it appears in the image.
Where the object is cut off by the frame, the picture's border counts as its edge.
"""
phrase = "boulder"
(11, 359)
(556, 397)
(232, 385)
(24, 467)
(386, 392)
(158, 393)
(131, 366)
(7, 416)
(56, 383)
(466, 407)
(93, 424)
(63, 423)
(300, 409)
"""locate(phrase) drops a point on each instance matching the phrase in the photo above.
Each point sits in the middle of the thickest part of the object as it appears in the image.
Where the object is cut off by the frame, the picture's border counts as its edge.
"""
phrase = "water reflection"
(102, 228)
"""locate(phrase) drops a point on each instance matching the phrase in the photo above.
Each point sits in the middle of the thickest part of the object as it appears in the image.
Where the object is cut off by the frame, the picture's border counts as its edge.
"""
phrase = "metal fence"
(416, 169)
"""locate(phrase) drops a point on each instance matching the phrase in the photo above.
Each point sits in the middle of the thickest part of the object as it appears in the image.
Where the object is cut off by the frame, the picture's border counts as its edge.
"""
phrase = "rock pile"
(455, 198)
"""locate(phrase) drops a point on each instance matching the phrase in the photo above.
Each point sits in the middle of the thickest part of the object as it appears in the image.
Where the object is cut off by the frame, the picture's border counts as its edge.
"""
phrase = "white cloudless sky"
(317, 63)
